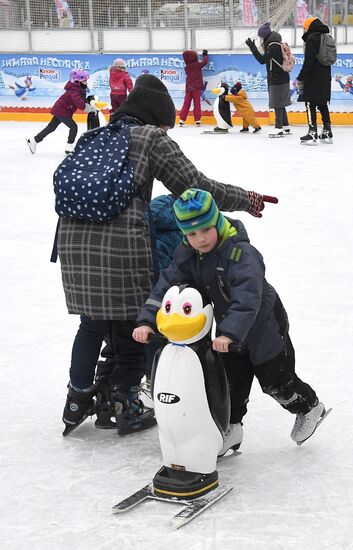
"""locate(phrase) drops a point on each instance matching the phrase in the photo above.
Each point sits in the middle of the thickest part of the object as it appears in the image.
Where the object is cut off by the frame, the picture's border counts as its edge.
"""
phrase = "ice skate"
(243, 130)
(105, 409)
(276, 133)
(306, 424)
(198, 123)
(69, 147)
(326, 134)
(131, 414)
(181, 123)
(79, 405)
(311, 137)
(32, 145)
(286, 130)
(232, 439)
(258, 129)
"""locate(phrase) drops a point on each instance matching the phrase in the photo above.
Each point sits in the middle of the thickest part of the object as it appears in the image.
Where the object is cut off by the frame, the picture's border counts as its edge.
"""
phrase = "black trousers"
(52, 126)
(126, 356)
(281, 118)
(277, 378)
(311, 109)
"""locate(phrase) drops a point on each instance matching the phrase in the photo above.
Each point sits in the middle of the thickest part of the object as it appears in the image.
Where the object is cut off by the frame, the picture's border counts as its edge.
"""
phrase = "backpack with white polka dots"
(95, 181)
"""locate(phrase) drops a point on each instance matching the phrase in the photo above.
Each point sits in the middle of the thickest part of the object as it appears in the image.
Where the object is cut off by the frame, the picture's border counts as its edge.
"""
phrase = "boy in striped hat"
(216, 256)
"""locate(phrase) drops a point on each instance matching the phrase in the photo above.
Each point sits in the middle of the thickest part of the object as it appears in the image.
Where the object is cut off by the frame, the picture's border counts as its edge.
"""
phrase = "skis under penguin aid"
(191, 508)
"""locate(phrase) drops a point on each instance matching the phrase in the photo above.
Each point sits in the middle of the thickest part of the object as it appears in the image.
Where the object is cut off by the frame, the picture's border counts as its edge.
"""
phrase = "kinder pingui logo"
(168, 398)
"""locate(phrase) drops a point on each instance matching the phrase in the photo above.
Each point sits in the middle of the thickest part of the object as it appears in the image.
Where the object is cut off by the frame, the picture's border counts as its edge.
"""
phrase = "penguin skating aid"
(221, 110)
(191, 401)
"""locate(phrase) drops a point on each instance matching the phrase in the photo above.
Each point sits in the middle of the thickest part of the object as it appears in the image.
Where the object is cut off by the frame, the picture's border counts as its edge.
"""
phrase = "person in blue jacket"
(217, 256)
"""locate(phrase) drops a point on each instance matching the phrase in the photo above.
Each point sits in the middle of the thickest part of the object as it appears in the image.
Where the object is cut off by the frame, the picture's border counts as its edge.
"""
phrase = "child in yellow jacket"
(240, 100)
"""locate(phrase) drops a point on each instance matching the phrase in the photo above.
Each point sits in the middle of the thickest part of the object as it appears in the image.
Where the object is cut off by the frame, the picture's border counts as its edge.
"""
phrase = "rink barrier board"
(264, 118)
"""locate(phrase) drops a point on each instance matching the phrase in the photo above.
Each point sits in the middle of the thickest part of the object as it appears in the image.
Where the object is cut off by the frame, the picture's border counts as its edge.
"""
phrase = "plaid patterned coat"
(107, 268)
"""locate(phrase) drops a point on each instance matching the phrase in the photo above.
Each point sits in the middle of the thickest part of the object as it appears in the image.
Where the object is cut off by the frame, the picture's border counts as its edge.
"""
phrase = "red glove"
(257, 203)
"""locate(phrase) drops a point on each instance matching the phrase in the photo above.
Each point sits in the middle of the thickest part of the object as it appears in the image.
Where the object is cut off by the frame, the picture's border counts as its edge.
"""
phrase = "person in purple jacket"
(63, 109)
(193, 85)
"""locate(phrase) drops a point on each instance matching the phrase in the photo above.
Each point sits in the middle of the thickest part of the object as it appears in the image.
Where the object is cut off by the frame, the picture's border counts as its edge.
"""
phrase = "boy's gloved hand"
(257, 203)
(204, 52)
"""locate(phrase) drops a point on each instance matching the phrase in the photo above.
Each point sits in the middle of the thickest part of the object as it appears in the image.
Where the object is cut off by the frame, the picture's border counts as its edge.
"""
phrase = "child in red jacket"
(120, 83)
(194, 84)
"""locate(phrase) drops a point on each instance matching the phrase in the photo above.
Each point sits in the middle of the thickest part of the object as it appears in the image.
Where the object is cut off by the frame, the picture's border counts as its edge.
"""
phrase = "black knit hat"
(149, 102)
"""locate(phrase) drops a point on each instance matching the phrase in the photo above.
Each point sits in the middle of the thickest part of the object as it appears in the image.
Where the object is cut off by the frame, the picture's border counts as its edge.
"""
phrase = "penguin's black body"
(221, 108)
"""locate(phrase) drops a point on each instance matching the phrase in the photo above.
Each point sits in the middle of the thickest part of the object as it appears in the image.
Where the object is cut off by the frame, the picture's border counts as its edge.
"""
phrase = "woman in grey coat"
(107, 268)
(277, 78)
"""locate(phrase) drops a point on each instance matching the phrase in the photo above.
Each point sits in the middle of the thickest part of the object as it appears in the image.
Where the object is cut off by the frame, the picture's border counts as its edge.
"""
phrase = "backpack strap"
(272, 59)
(54, 252)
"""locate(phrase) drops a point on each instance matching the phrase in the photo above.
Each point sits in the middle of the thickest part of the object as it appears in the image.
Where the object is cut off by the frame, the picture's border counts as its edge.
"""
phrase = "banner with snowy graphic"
(36, 81)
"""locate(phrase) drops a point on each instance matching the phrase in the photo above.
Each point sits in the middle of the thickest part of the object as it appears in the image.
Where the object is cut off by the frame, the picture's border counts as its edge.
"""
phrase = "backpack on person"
(95, 181)
(287, 56)
(328, 51)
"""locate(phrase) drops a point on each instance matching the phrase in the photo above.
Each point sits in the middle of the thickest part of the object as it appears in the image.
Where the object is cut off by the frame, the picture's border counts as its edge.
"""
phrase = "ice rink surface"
(57, 493)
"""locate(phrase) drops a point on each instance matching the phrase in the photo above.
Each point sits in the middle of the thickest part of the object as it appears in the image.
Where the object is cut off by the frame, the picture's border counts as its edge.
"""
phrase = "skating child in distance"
(193, 84)
(240, 100)
(217, 256)
(64, 108)
(120, 83)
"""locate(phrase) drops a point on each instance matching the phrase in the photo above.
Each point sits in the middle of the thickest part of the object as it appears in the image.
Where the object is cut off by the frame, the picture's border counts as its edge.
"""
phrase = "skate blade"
(326, 141)
(215, 133)
(310, 143)
(29, 146)
(275, 135)
(191, 509)
(326, 413)
(231, 453)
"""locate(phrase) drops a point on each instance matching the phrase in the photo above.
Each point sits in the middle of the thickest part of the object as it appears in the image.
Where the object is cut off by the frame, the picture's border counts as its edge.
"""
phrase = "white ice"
(57, 493)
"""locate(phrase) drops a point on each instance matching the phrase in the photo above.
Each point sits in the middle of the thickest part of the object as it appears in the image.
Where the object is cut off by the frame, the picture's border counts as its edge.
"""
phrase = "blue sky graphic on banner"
(38, 80)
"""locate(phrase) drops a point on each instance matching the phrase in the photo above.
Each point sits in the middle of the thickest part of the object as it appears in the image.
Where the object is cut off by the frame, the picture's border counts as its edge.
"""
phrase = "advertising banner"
(34, 82)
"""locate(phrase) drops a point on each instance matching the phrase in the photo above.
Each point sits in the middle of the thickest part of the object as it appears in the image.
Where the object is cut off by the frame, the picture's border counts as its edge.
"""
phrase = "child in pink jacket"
(120, 83)
(194, 84)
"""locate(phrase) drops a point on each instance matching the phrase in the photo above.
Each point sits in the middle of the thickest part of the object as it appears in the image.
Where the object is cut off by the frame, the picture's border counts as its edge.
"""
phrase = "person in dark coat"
(193, 84)
(107, 268)
(217, 257)
(63, 109)
(314, 82)
(277, 78)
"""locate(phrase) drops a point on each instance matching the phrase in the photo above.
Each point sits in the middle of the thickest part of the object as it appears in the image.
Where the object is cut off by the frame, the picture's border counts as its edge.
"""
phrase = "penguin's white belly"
(221, 122)
(188, 434)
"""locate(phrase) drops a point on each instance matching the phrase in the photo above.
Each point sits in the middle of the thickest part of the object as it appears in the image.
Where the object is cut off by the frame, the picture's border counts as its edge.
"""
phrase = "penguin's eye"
(187, 308)
(168, 307)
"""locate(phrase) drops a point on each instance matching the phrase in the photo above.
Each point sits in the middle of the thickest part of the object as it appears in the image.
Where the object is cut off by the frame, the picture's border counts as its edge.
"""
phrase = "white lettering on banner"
(45, 61)
(154, 62)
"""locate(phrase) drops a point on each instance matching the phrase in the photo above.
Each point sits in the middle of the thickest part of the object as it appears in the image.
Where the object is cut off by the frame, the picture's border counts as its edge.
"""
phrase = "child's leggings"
(52, 126)
(195, 96)
(277, 378)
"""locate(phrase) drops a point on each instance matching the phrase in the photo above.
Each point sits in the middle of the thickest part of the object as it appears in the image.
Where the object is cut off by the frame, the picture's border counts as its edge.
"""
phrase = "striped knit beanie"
(195, 209)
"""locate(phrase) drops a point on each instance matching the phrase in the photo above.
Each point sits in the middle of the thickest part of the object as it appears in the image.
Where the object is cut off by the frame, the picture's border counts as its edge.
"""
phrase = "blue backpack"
(95, 181)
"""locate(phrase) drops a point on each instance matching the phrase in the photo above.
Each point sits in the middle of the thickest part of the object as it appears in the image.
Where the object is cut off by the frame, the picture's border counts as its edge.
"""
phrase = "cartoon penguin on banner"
(221, 109)
(191, 396)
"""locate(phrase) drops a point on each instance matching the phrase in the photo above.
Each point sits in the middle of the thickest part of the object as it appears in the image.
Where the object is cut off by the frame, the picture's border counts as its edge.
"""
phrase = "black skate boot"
(244, 130)
(311, 137)
(79, 405)
(105, 409)
(130, 413)
(326, 134)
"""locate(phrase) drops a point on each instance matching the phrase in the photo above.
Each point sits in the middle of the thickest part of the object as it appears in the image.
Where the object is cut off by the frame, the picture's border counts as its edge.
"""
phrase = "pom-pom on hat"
(195, 209)
(307, 22)
(264, 30)
(118, 62)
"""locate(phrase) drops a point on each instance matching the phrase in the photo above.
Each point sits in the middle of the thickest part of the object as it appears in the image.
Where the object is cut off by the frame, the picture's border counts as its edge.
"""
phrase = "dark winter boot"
(311, 137)
(326, 134)
(131, 415)
(79, 405)
(244, 130)
(105, 408)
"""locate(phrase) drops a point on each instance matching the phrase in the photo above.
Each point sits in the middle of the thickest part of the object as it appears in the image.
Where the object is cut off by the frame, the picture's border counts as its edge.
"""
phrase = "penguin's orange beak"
(216, 91)
(178, 328)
